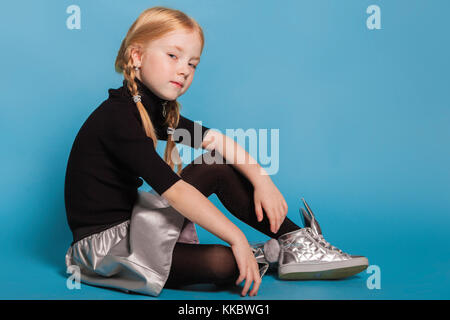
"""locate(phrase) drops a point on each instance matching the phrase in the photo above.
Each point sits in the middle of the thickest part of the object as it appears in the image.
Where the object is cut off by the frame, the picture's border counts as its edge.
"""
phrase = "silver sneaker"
(305, 254)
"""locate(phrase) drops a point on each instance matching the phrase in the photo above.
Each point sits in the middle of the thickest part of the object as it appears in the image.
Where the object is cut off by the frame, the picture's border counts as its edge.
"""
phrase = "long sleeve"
(126, 141)
(110, 154)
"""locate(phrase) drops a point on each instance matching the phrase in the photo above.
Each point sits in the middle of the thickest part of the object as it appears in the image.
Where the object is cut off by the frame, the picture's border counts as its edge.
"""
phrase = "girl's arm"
(192, 204)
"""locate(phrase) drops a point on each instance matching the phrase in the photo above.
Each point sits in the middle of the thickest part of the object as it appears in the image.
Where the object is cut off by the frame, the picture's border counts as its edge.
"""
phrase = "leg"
(202, 263)
(234, 191)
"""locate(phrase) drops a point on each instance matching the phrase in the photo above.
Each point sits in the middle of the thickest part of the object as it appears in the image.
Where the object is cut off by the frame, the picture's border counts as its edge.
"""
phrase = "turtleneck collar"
(151, 101)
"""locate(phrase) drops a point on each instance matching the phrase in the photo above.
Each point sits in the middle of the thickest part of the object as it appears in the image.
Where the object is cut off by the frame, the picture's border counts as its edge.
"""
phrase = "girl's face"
(167, 65)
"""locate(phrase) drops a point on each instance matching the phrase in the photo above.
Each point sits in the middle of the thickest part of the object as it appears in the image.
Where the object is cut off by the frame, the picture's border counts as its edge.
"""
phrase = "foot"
(305, 254)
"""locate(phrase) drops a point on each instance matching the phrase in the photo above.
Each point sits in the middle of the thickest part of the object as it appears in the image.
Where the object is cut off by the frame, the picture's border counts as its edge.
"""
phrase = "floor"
(44, 277)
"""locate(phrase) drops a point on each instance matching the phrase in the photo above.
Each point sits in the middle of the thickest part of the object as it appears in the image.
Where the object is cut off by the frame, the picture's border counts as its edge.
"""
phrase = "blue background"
(363, 115)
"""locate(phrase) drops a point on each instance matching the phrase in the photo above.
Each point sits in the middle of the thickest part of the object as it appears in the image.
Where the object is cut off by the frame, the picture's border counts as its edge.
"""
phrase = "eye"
(193, 66)
(172, 55)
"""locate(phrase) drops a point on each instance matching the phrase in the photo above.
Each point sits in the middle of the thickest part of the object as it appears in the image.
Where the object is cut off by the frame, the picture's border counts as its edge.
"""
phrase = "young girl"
(144, 241)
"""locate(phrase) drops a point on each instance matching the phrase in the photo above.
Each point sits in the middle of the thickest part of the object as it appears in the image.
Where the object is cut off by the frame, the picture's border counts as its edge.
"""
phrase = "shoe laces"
(325, 243)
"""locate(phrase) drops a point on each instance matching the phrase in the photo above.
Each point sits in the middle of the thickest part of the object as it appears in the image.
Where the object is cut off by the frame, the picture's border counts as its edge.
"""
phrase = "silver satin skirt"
(136, 254)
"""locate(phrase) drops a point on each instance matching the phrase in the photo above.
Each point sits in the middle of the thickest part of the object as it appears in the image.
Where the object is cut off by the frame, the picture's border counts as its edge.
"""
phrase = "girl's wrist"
(238, 239)
(262, 179)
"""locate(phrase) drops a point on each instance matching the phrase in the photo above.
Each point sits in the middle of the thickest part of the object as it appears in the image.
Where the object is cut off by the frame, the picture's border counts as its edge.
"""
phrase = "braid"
(152, 24)
(171, 155)
(129, 75)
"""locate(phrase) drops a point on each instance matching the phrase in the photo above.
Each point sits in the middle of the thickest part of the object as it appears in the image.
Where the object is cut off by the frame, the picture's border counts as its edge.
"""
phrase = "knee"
(222, 171)
(210, 161)
(213, 164)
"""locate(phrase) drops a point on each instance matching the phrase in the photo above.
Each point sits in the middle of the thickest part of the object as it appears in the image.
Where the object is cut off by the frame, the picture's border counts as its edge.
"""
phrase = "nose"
(183, 69)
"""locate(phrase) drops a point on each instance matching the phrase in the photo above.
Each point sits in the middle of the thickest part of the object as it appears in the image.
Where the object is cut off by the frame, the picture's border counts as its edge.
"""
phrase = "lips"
(177, 84)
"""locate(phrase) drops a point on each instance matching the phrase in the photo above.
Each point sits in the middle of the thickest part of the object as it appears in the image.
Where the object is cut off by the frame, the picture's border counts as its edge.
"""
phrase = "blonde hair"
(152, 24)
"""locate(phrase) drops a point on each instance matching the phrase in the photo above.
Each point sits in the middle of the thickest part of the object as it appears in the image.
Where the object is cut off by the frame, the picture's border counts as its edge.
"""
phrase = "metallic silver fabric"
(305, 253)
(309, 219)
(135, 255)
(305, 245)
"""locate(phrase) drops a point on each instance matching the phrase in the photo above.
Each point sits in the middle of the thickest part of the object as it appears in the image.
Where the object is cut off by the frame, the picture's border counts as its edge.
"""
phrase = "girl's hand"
(248, 267)
(267, 196)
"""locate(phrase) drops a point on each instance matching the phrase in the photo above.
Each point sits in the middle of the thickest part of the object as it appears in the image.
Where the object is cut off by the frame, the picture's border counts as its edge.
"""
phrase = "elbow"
(175, 191)
(211, 139)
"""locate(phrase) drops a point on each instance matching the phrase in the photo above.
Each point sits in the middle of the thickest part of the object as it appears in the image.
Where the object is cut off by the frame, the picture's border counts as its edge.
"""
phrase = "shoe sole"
(322, 271)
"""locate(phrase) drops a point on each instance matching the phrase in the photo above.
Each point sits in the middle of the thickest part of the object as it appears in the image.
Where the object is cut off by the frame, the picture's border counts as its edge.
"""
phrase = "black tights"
(215, 263)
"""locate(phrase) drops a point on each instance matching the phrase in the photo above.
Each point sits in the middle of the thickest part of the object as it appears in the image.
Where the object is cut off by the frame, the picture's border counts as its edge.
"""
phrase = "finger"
(241, 275)
(240, 279)
(284, 214)
(281, 217)
(256, 284)
(285, 207)
(258, 210)
(272, 219)
(257, 281)
(276, 218)
(248, 281)
(275, 223)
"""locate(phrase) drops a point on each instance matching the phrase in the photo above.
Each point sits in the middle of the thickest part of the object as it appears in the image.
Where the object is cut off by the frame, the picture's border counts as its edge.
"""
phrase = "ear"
(136, 56)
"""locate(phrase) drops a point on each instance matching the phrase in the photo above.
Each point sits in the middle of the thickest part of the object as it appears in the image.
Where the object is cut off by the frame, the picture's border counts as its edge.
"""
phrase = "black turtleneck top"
(110, 154)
